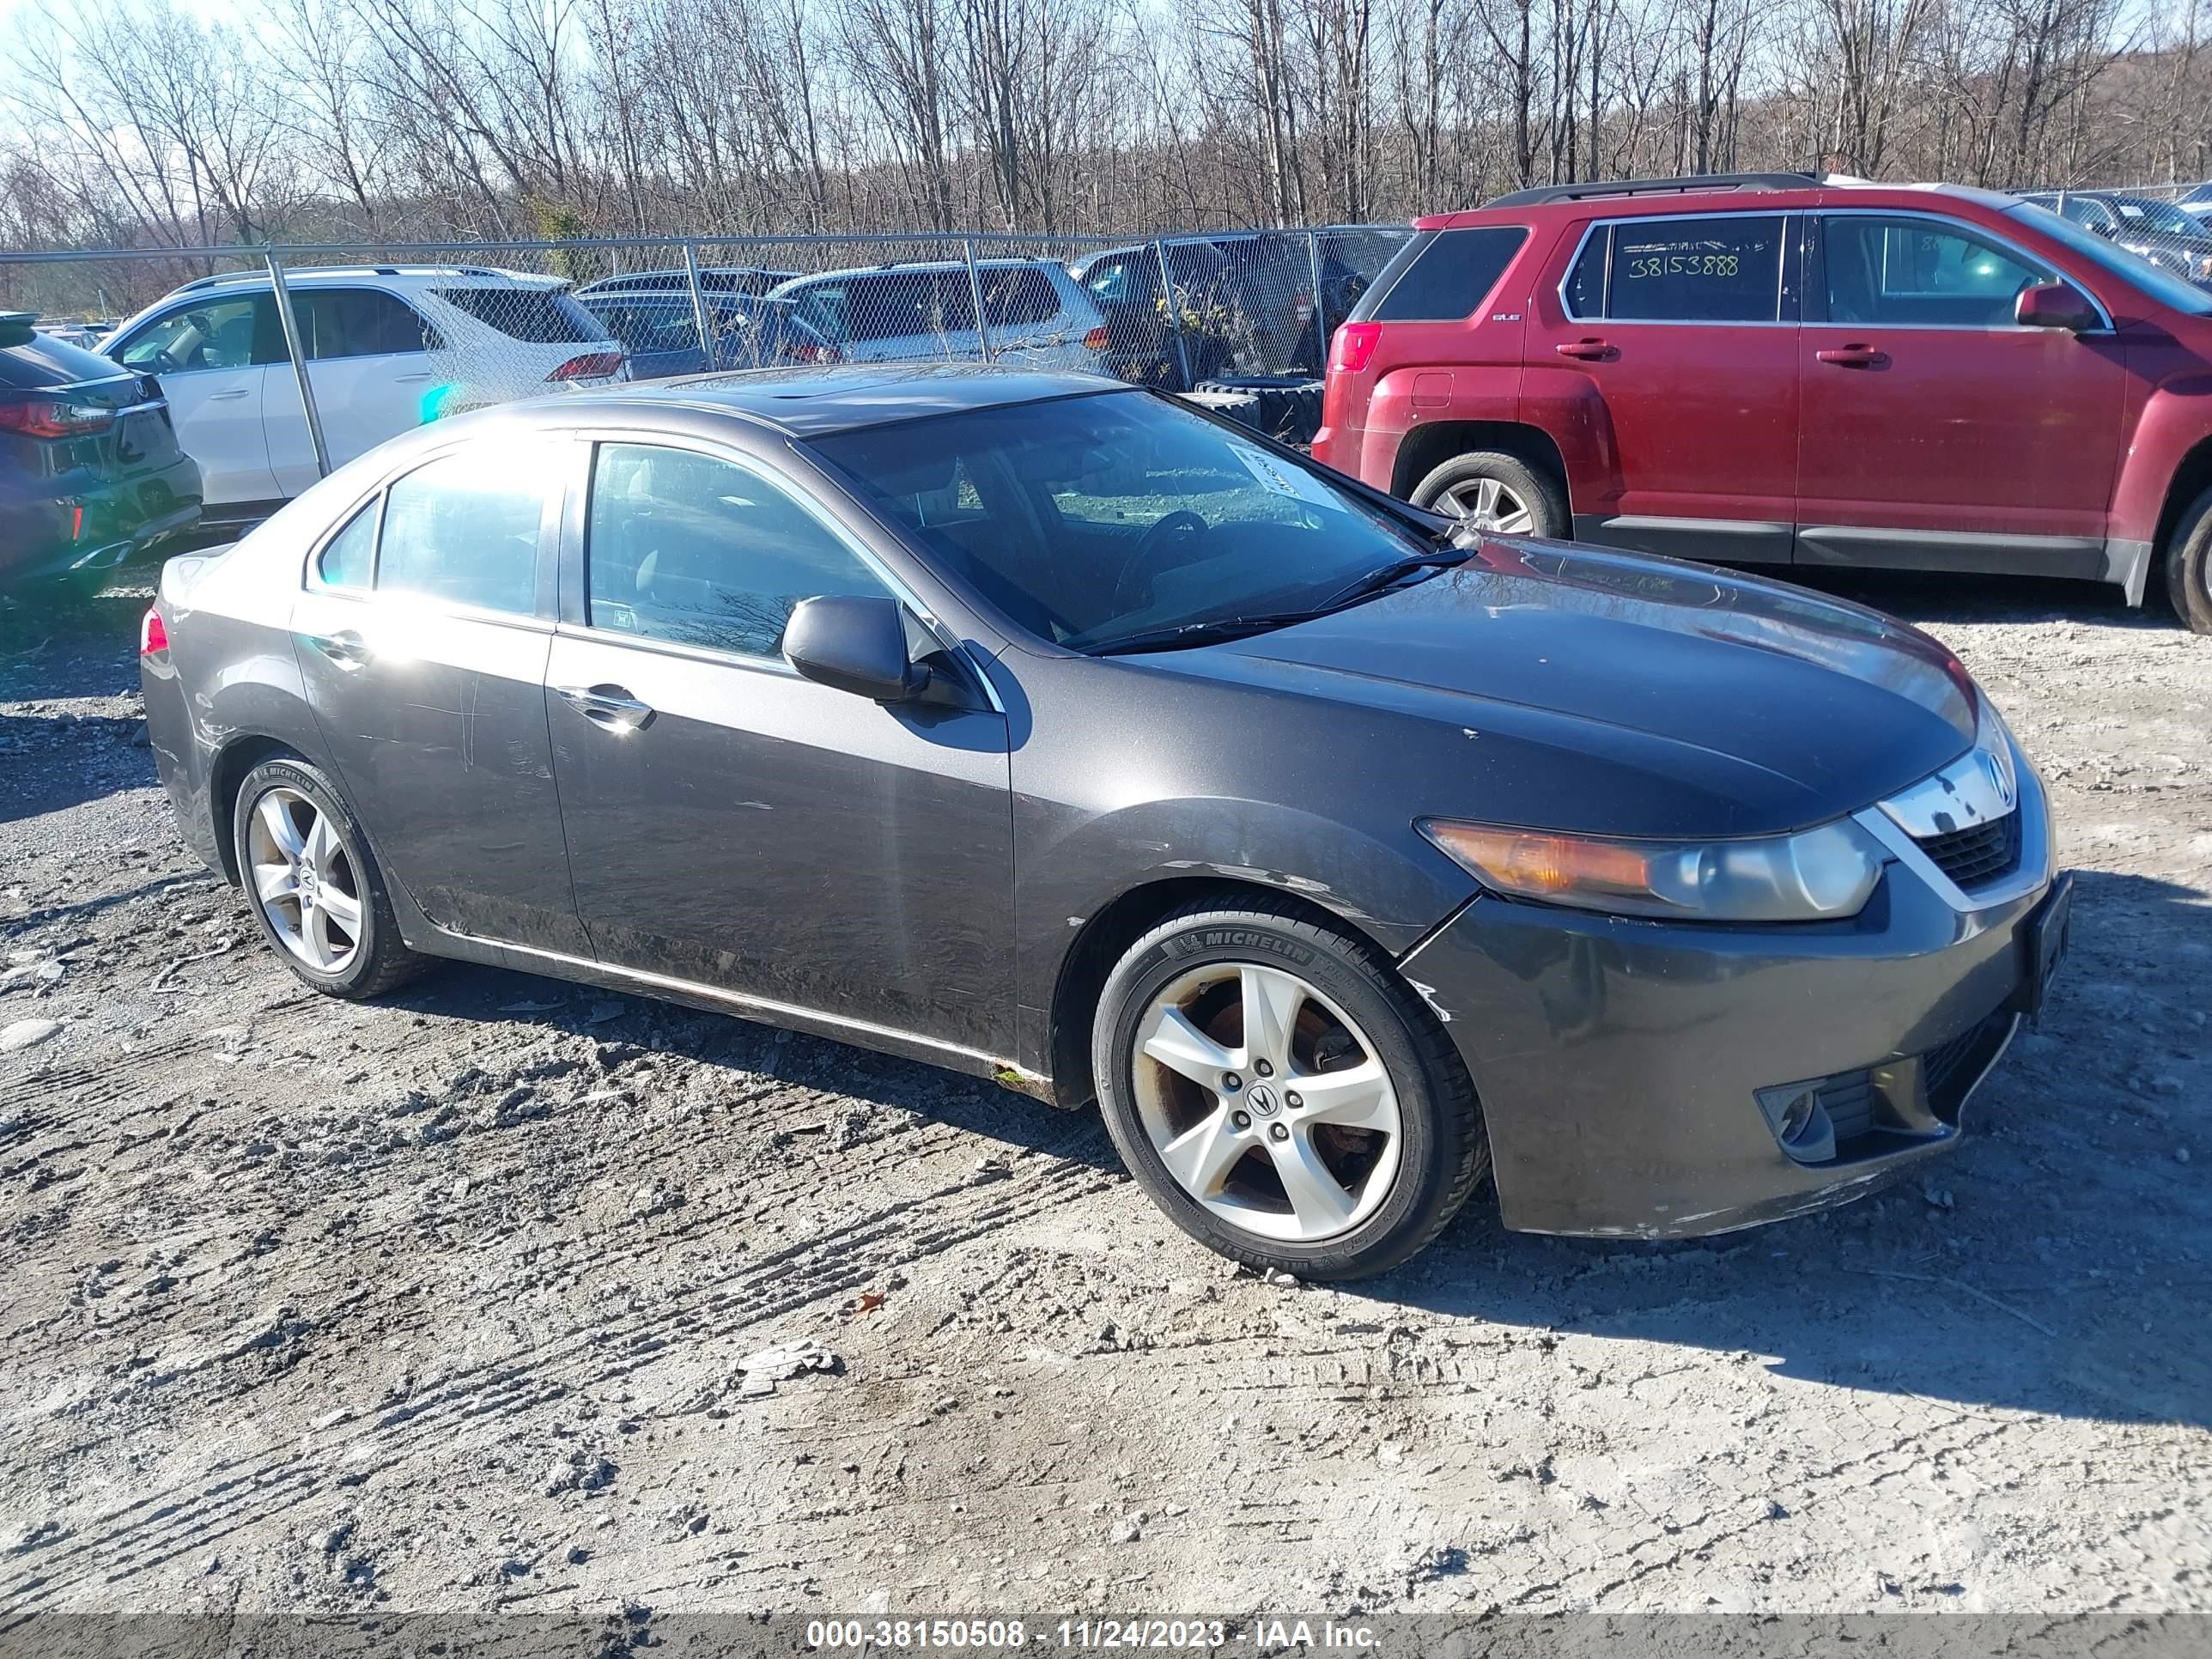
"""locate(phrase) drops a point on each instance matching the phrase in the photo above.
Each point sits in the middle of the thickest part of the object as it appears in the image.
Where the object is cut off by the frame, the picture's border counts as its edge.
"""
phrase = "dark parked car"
(661, 332)
(90, 473)
(1053, 732)
(2159, 232)
(1773, 369)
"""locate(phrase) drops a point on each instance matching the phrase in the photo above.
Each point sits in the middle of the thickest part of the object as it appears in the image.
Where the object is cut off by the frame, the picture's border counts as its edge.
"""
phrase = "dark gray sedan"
(1050, 731)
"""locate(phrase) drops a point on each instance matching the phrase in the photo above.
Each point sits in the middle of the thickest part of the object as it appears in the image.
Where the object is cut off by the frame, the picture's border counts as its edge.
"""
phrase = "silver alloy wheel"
(1266, 1102)
(304, 881)
(1486, 504)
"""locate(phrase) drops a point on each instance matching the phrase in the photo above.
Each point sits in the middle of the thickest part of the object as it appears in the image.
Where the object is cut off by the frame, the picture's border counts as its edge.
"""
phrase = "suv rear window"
(1447, 276)
(43, 360)
(543, 316)
(1717, 269)
(1013, 297)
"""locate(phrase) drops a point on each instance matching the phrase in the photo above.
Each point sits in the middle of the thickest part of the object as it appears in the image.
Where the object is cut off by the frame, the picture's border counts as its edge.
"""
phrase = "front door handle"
(1590, 351)
(1853, 356)
(231, 396)
(345, 648)
(609, 705)
(411, 380)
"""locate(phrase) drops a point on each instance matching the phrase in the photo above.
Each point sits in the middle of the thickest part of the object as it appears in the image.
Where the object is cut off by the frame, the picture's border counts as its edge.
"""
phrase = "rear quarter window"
(540, 316)
(1450, 275)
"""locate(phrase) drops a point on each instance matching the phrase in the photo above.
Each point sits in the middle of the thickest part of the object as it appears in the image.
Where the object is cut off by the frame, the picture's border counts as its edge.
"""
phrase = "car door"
(732, 825)
(212, 354)
(369, 361)
(421, 633)
(1671, 342)
(1937, 433)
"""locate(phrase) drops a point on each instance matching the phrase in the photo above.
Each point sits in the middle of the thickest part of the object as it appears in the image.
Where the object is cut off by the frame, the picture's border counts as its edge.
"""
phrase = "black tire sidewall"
(1547, 502)
(2188, 566)
(369, 959)
(1429, 1153)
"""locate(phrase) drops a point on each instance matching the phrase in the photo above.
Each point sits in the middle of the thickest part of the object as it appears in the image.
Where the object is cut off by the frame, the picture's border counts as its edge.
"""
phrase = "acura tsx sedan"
(1054, 732)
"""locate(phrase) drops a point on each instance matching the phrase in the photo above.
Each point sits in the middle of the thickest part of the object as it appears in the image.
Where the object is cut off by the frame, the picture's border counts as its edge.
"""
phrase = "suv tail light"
(49, 418)
(152, 634)
(1355, 345)
(591, 366)
(817, 354)
(1095, 340)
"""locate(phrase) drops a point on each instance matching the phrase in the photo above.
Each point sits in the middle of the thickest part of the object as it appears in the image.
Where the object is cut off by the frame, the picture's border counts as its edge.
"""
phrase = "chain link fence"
(2169, 225)
(329, 351)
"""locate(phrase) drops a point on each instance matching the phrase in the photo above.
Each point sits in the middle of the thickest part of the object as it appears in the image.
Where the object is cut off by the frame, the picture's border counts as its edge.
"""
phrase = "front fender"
(2175, 419)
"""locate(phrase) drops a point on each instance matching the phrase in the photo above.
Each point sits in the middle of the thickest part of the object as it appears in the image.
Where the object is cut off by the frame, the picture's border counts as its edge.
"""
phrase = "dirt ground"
(464, 1300)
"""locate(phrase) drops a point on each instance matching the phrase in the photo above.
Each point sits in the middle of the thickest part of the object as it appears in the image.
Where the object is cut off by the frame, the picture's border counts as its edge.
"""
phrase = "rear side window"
(901, 304)
(541, 316)
(1450, 276)
(1012, 298)
(463, 530)
(359, 322)
(1713, 269)
(349, 558)
(684, 547)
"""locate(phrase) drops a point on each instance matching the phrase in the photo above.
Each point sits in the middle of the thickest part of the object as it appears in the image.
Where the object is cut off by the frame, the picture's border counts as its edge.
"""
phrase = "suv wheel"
(2189, 565)
(1278, 1090)
(1493, 491)
(314, 886)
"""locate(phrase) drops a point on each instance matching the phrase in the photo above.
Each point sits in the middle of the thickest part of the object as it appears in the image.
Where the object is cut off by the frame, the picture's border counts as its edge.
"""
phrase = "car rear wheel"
(2189, 565)
(1276, 1088)
(1493, 491)
(313, 883)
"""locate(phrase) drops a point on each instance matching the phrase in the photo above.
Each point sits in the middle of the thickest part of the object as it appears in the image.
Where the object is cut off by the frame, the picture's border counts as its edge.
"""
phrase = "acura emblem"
(2001, 780)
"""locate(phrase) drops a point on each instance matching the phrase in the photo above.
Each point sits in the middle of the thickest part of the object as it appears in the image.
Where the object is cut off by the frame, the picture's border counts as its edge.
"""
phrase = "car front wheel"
(1275, 1087)
(2189, 565)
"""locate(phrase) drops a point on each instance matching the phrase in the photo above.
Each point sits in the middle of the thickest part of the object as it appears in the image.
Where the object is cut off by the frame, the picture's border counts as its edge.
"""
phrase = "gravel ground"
(504, 1294)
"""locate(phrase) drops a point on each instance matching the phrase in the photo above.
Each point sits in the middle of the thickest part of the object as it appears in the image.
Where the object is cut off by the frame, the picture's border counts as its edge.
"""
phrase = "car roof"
(814, 403)
(315, 276)
(1721, 193)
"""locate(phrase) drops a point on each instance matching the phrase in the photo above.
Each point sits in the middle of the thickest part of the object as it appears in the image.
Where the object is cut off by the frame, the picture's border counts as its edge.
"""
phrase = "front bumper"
(1620, 1063)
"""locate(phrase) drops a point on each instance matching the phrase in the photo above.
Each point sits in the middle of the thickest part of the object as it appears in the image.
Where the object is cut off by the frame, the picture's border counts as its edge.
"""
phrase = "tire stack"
(1285, 407)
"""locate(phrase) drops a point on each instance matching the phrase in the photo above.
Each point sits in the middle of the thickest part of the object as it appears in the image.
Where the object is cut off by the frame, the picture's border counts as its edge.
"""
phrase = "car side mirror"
(2054, 305)
(855, 643)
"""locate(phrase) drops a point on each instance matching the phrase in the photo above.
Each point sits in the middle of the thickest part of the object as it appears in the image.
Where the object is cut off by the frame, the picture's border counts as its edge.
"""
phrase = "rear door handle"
(411, 380)
(1853, 356)
(231, 396)
(346, 648)
(1590, 351)
(609, 705)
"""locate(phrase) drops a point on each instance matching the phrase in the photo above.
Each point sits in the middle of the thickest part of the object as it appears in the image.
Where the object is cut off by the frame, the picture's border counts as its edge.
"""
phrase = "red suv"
(1772, 369)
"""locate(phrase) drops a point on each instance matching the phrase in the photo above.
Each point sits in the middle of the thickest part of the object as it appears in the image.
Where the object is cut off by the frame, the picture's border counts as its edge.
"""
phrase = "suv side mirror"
(856, 643)
(2054, 305)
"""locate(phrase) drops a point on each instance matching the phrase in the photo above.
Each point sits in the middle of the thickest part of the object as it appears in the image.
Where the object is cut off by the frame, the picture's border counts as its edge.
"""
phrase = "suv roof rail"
(1543, 195)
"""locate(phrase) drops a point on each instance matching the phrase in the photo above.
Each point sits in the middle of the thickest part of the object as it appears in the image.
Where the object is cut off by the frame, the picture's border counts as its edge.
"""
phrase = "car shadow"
(1928, 597)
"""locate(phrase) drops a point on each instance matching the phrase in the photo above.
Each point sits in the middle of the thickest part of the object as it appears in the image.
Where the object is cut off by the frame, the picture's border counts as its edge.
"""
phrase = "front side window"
(347, 560)
(463, 530)
(1092, 519)
(212, 333)
(1720, 268)
(1920, 271)
(694, 549)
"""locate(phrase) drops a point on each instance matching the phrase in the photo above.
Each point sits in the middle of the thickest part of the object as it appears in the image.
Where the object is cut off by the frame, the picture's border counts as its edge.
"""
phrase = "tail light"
(153, 635)
(1355, 345)
(49, 417)
(1304, 303)
(1095, 340)
(591, 366)
(817, 354)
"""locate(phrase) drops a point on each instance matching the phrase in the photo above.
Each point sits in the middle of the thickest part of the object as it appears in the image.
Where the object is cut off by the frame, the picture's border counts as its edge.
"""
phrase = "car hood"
(1615, 694)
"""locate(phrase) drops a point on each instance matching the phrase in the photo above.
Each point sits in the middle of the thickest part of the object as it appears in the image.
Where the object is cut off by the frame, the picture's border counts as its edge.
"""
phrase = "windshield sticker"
(1294, 482)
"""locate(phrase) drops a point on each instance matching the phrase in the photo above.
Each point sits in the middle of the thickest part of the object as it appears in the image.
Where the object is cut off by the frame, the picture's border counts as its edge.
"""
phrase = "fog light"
(1793, 1111)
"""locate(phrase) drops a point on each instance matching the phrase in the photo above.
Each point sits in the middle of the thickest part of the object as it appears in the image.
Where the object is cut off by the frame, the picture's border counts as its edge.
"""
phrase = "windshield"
(1092, 519)
(2159, 284)
(2155, 216)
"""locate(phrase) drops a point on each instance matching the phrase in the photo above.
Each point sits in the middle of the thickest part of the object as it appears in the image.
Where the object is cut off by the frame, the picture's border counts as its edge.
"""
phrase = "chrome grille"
(1980, 853)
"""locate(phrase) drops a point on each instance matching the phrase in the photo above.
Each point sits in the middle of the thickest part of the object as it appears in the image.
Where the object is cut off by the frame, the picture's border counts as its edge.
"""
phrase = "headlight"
(1815, 875)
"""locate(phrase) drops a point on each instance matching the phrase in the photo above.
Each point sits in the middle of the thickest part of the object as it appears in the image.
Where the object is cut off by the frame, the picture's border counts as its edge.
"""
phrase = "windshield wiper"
(1375, 581)
(1200, 633)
